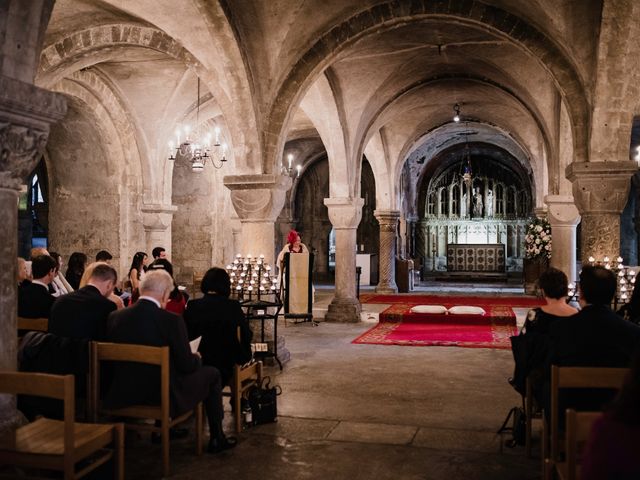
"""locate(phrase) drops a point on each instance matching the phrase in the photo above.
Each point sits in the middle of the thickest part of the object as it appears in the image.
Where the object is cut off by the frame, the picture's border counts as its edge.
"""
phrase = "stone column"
(157, 226)
(600, 191)
(258, 200)
(25, 114)
(563, 218)
(345, 215)
(388, 220)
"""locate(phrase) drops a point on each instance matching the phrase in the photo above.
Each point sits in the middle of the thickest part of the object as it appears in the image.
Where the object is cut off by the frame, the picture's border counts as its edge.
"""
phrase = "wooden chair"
(55, 444)
(531, 413)
(244, 377)
(573, 377)
(33, 324)
(159, 356)
(578, 429)
(197, 281)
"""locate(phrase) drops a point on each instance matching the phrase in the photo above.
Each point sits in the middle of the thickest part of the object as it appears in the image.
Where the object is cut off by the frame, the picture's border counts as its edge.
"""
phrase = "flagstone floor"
(367, 412)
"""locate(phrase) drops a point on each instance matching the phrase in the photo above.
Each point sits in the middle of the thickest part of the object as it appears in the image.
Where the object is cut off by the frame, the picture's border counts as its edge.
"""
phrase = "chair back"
(578, 429)
(122, 352)
(34, 324)
(197, 282)
(579, 377)
(60, 387)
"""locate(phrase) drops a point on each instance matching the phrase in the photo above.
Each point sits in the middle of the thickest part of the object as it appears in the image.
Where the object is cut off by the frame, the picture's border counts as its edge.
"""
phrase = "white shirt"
(151, 299)
(38, 282)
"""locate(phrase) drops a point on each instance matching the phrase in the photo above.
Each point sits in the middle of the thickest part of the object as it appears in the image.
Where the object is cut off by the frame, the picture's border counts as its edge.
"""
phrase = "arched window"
(511, 198)
(444, 201)
(499, 199)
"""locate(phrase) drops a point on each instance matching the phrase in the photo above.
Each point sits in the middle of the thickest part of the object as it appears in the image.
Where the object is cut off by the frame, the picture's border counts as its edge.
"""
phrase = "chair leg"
(544, 451)
(165, 447)
(529, 419)
(237, 397)
(199, 429)
(118, 451)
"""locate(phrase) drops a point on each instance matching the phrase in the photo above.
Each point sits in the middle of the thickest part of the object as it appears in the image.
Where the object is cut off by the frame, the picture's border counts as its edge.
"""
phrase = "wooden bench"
(566, 378)
(116, 352)
(55, 444)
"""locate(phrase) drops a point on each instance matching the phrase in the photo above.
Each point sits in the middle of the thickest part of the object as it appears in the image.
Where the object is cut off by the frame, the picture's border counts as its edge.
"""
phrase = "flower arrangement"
(537, 241)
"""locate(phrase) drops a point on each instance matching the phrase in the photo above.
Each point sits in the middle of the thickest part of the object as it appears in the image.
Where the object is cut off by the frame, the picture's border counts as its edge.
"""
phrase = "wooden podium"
(298, 287)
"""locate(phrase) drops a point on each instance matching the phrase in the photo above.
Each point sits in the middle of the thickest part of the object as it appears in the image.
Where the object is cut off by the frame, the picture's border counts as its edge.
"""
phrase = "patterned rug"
(398, 326)
(449, 300)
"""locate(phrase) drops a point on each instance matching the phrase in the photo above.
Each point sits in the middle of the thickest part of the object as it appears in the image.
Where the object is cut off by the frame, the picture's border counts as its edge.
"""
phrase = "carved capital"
(157, 218)
(601, 187)
(562, 210)
(258, 198)
(344, 213)
(388, 219)
(25, 114)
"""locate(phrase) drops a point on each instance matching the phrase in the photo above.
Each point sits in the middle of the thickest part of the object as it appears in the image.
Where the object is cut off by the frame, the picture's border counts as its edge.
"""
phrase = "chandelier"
(197, 148)
(467, 173)
(288, 169)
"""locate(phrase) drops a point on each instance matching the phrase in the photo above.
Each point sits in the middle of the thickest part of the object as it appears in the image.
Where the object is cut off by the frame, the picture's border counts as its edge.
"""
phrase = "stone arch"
(85, 48)
(391, 14)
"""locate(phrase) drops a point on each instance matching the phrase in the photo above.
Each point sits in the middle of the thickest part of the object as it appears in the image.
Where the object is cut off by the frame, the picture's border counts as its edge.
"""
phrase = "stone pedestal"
(345, 214)
(157, 226)
(600, 191)
(25, 114)
(563, 218)
(258, 200)
(388, 220)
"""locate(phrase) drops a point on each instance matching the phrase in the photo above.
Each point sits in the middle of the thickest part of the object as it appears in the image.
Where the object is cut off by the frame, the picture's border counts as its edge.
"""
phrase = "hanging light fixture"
(456, 110)
(288, 168)
(198, 149)
(467, 172)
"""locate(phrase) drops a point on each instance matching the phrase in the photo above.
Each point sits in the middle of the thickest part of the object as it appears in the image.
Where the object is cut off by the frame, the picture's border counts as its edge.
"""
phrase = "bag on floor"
(263, 400)
(516, 425)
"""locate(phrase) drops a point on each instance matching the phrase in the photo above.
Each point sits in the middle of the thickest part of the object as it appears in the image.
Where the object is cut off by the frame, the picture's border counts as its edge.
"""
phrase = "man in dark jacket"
(83, 313)
(34, 299)
(146, 323)
(594, 337)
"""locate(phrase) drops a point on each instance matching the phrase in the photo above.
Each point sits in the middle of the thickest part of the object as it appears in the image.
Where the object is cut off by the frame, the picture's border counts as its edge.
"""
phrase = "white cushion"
(429, 309)
(465, 310)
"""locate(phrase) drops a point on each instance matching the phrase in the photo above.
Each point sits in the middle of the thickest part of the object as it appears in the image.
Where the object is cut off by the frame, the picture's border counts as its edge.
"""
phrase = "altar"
(470, 257)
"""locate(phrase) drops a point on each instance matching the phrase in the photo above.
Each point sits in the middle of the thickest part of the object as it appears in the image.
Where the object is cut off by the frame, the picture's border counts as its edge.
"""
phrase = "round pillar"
(345, 215)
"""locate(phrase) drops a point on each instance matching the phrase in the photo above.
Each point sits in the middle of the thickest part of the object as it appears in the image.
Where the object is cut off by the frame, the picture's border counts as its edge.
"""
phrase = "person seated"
(75, 269)
(34, 299)
(83, 313)
(631, 311)
(216, 318)
(147, 323)
(594, 337)
(530, 350)
(23, 272)
(59, 284)
(87, 275)
(104, 256)
(612, 448)
(177, 299)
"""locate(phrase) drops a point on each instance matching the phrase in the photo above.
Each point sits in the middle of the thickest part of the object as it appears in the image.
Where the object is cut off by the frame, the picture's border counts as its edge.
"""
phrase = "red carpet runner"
(398, 326)
(450, 300)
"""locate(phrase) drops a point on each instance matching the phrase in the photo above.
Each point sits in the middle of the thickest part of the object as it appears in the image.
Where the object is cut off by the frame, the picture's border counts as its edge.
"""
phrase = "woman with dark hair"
(177, 299)
(75, 269)
(531, 346)
(612, 448)
(217, 318)
(136, 271)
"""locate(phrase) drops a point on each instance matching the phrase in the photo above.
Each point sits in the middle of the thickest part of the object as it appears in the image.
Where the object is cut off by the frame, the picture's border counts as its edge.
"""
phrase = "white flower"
(537, 241)
(538, 228)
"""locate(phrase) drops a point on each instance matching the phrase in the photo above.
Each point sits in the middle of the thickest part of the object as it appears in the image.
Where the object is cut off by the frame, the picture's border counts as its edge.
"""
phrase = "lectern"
(298, 286)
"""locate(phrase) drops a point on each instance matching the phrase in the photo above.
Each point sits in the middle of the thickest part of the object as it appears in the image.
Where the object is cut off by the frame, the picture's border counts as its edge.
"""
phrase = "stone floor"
(367, 412)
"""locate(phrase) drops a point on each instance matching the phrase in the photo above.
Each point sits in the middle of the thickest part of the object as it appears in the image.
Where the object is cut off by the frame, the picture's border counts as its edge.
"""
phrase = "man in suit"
(34, 299)
(83, 313)
(158, 252)
(146, 323)
(594, 337)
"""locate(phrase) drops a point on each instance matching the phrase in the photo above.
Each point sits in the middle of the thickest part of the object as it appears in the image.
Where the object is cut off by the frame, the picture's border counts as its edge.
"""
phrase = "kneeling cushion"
(429, 309)
(465, 310)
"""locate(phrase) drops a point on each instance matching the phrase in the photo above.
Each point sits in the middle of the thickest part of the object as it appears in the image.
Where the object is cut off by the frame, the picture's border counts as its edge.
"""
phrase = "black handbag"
(518, 427)
(263, 401)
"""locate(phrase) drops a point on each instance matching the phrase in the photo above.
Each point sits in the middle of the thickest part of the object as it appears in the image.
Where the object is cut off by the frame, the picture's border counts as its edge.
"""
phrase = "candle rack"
(625, 280)
(252, 279)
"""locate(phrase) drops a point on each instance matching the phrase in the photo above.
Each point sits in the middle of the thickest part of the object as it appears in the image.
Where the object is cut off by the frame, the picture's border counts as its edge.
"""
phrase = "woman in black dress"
(216, 318)
(75, 268)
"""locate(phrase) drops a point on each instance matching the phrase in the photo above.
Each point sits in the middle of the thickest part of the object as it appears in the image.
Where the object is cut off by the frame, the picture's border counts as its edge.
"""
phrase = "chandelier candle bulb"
(217, 131)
